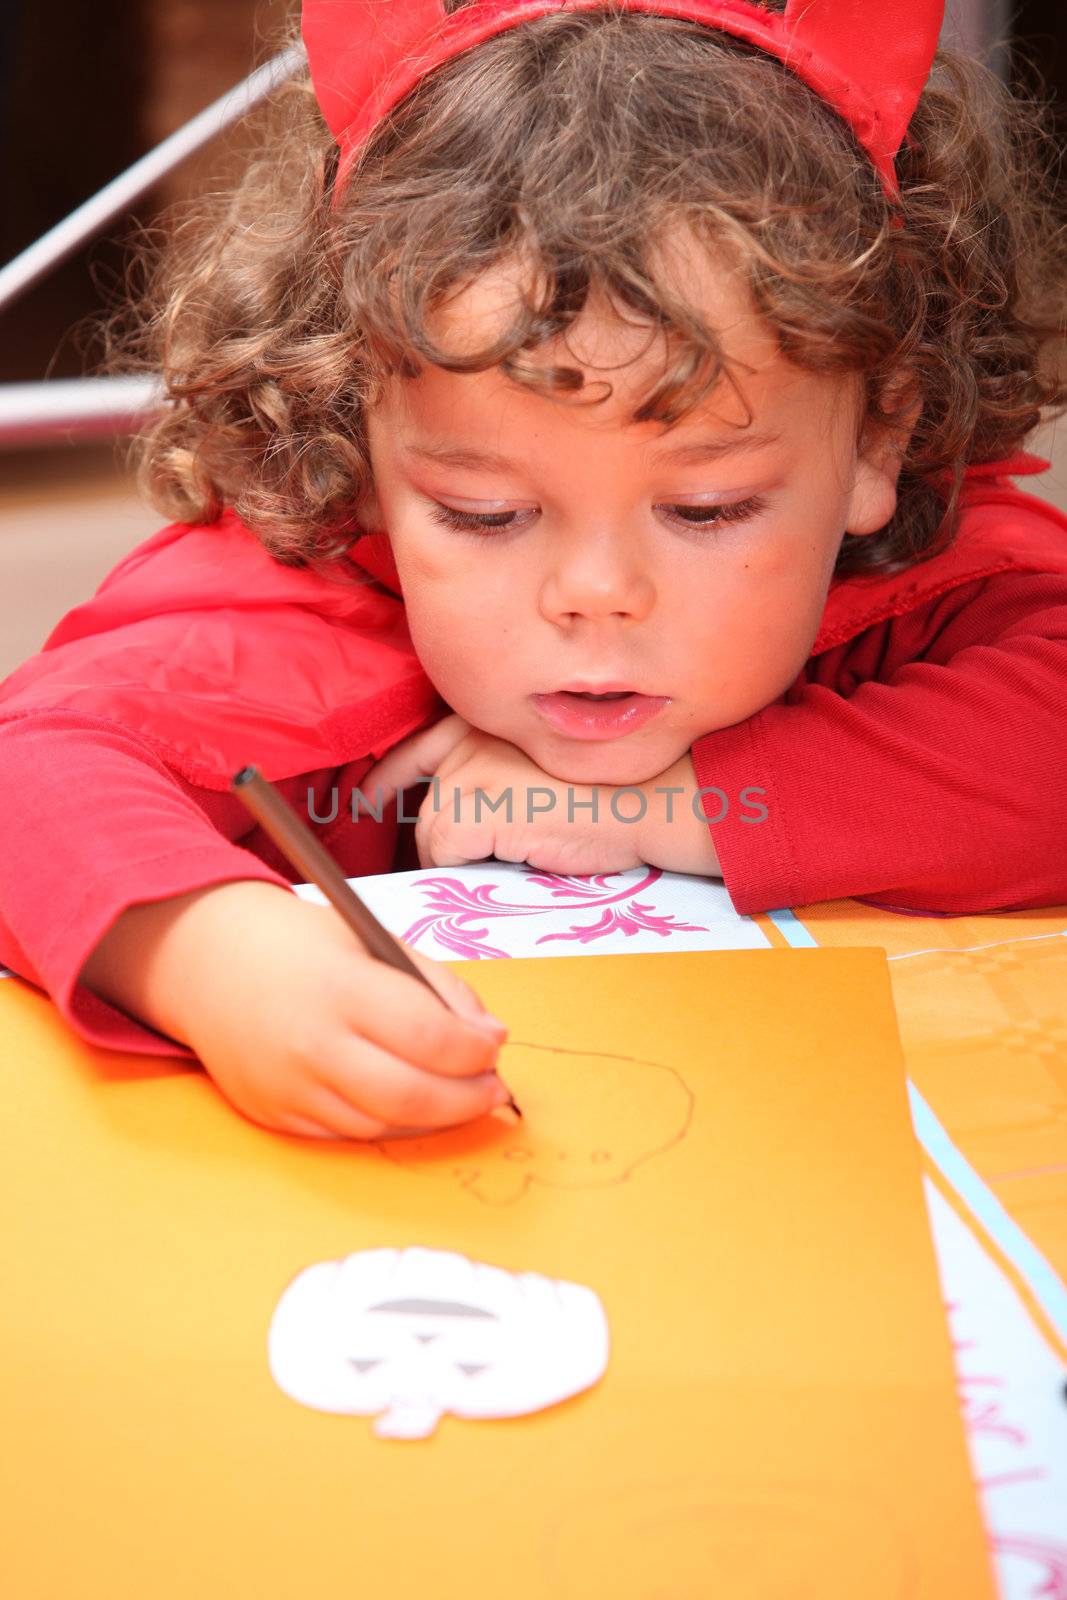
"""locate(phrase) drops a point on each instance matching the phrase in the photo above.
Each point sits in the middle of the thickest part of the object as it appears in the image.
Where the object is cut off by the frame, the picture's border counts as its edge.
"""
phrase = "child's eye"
(711, 516)
(504, 521)
(471, 521)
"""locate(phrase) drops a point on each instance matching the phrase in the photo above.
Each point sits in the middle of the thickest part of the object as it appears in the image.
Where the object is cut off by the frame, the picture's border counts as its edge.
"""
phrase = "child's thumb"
(414, 760)
(459, 996)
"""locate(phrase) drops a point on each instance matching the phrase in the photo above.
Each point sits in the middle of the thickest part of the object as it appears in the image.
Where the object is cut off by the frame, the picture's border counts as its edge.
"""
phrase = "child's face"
(596, 571)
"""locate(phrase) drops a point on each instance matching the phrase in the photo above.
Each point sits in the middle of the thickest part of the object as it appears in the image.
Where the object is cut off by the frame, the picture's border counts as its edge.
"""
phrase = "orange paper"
(717, 1143)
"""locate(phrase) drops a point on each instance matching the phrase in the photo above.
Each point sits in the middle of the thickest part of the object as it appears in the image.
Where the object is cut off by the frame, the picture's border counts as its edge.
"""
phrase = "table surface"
(982, 1010)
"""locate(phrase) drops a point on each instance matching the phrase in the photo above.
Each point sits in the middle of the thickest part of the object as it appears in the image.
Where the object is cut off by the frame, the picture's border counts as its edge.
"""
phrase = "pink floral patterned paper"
(495, 910)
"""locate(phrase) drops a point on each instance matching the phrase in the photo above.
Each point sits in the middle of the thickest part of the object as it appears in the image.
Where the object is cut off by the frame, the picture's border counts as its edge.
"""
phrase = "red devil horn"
(352, 45)
(869, 59)
(883, 50)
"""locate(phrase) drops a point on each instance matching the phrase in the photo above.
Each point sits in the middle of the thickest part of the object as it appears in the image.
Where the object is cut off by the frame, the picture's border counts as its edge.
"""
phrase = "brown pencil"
(299, 845)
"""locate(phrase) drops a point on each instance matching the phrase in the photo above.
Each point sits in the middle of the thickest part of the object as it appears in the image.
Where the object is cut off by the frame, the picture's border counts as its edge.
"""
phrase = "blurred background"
(85, 90)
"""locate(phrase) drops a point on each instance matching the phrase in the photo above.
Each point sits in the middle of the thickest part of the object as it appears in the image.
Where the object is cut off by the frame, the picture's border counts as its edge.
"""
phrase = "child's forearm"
(154, 959)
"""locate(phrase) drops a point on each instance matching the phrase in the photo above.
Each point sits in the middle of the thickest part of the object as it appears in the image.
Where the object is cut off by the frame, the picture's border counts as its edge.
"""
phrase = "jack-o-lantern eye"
(471, 1368)
(364, 1366)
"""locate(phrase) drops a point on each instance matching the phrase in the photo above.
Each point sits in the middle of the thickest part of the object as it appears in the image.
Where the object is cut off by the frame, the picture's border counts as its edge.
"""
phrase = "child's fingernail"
(491, 1025)
(501, 1095)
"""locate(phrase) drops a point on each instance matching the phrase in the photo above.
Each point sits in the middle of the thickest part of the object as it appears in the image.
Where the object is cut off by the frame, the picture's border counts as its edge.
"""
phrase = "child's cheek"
(457, 635)
(771, 613)
(789, 568)
(434, 572)
(423, 569)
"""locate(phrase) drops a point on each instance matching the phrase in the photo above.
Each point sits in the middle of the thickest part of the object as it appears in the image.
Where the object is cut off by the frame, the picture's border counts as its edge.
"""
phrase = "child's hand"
(300, 1027)
(553, 825)
(542, 820)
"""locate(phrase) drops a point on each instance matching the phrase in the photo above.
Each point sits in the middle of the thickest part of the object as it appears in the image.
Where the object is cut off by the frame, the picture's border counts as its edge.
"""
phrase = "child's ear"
(879, 454)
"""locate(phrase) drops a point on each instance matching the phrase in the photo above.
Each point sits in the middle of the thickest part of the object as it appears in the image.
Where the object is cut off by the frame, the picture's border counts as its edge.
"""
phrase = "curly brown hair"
(574, 142)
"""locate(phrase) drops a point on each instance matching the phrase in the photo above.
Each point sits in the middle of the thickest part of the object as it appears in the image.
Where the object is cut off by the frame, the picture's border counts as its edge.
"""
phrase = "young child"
(614, 414)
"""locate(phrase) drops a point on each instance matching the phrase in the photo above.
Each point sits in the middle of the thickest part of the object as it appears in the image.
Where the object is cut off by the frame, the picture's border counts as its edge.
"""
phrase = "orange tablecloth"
(982, 1009)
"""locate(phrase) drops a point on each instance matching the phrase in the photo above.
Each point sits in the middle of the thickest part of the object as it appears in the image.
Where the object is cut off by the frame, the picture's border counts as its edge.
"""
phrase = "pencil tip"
(514, 1107)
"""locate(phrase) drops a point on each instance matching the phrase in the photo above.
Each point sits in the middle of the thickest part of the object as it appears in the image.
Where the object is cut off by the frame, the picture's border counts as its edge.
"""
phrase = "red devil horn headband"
(869, 61)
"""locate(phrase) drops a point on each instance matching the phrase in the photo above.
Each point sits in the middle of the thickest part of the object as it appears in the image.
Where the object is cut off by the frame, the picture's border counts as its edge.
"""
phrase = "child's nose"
(596, 577)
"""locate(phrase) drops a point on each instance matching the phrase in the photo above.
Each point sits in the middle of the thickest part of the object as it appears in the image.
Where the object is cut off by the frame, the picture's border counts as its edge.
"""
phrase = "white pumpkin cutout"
(407, 1335)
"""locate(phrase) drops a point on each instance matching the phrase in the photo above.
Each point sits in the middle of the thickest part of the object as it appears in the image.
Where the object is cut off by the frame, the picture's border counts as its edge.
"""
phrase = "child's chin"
(619, 762)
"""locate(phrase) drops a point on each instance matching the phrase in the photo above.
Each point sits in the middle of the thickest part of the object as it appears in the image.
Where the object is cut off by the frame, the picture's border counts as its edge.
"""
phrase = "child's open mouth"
(599, 714)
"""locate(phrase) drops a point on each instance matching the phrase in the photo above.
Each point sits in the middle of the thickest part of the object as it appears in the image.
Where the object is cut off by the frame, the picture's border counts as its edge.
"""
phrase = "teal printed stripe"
(793, 929)
(1040, 1276)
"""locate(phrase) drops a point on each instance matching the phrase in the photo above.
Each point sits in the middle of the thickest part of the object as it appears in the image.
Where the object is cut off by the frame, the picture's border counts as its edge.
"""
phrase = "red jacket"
(920, 759)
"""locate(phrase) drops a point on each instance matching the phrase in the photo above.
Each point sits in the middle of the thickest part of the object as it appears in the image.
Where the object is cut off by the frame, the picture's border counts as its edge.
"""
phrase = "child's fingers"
(416, 758)
(329, 1116)
(460, 997)
(376, 1084)
(335, 1119)
(402, 1018)
(304, 1128)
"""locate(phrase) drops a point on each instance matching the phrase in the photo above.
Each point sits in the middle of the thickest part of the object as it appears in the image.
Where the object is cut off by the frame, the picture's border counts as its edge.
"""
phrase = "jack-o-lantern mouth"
(434, 1308)
(469, 1369)
(410, 1318)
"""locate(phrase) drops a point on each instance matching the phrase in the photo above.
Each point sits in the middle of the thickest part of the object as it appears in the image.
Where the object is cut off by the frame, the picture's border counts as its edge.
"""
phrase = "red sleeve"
(923, 766)
(92, 822)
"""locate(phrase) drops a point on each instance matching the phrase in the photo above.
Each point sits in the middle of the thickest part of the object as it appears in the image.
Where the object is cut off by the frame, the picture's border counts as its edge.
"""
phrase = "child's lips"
(581, 715)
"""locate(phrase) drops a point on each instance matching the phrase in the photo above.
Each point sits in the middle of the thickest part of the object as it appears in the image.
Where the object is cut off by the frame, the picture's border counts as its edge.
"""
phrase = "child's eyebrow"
(489, 461)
